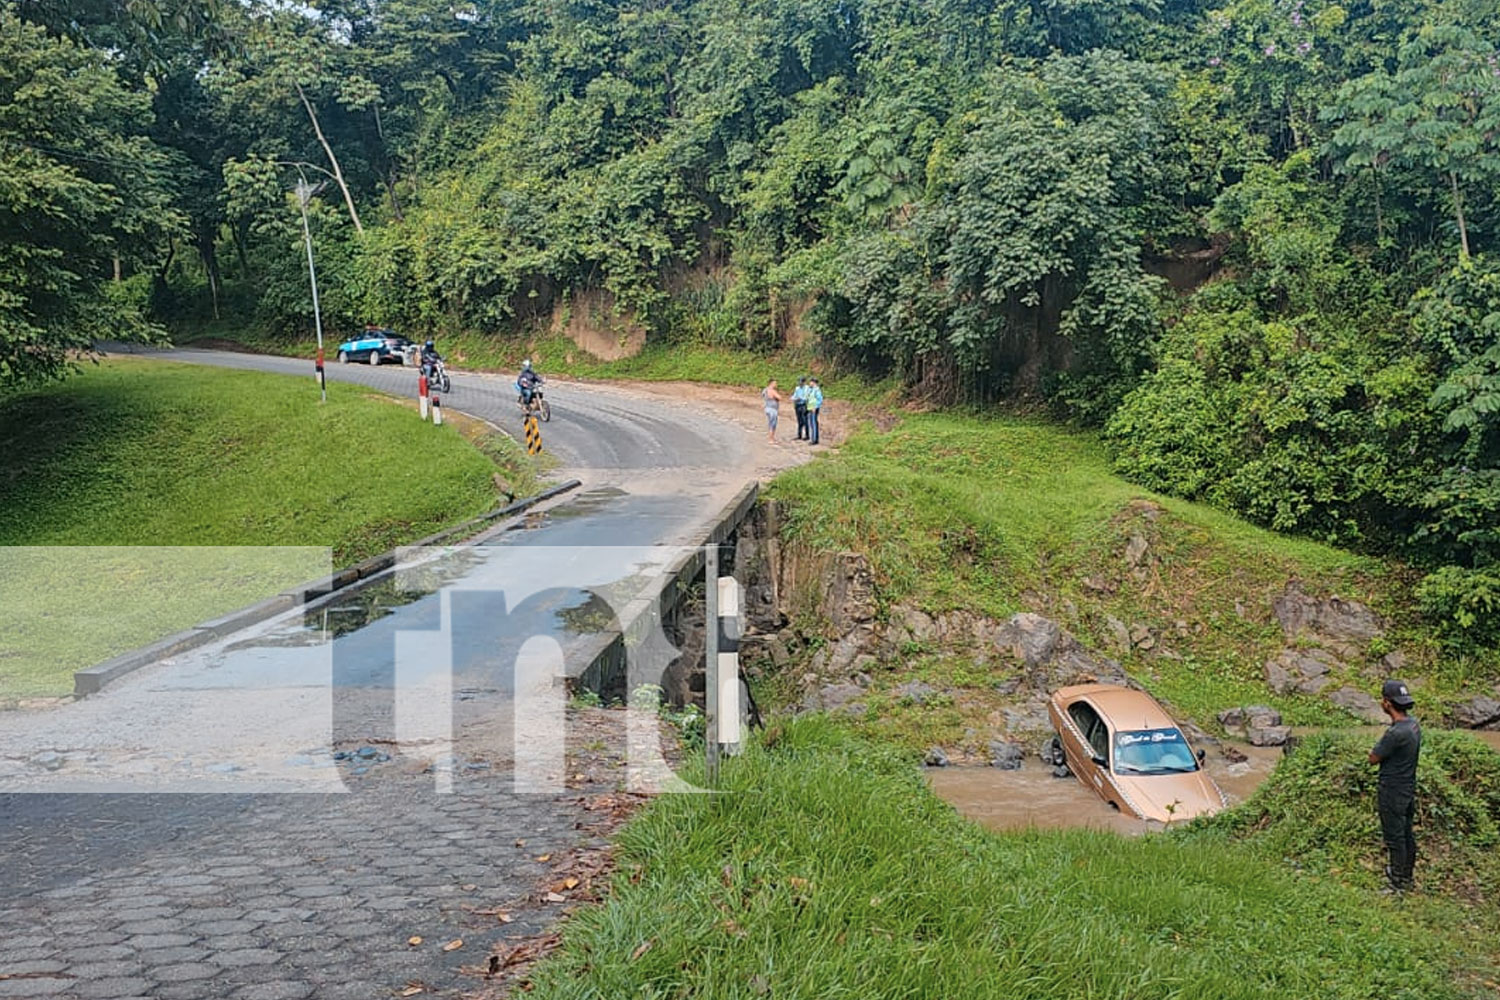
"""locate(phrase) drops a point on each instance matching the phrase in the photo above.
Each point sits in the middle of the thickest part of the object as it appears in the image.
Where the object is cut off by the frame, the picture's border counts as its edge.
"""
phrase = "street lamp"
(305, 191)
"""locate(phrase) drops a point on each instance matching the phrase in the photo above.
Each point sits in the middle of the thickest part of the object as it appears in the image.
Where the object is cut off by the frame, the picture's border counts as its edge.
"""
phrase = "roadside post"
(711, 663)
(422, 395)
(533, 435)
(305, 191)
(728, 624)
(437, 410)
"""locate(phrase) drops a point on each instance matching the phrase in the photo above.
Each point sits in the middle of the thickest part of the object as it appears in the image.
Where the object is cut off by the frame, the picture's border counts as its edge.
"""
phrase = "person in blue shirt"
(814, 405)
(799, 403)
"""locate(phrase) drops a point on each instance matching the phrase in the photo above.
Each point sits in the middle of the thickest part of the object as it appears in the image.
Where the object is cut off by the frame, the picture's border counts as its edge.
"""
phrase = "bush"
(1464, 604)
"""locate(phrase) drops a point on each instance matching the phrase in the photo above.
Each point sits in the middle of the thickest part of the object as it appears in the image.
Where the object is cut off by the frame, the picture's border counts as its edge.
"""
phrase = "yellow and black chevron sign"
(533, 436)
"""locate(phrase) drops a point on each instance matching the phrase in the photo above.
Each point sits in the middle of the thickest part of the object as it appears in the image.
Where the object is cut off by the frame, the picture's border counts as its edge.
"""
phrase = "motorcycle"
(437, 379)
(539, 406)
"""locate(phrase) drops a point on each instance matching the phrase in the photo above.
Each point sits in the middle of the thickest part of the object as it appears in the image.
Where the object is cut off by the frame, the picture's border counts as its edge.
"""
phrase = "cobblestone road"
(268, 897)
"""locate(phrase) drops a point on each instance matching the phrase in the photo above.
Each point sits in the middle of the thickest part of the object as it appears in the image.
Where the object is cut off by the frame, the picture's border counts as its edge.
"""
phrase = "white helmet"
(526, 365)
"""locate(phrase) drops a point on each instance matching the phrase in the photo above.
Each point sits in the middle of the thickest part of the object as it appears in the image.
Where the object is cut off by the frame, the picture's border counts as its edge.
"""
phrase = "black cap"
(802, 380)
(1395, 692)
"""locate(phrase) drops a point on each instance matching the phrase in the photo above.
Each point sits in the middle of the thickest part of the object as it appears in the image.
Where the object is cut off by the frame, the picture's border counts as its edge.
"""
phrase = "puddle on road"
(584, 504)
(1032, 798)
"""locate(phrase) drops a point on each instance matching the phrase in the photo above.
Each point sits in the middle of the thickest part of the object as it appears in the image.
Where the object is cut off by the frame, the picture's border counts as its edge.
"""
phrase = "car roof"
(1122, 707)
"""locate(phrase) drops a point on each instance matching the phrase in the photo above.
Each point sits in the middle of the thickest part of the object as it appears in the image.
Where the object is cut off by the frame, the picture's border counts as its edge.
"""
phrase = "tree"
(1437, 114)
(81, 187)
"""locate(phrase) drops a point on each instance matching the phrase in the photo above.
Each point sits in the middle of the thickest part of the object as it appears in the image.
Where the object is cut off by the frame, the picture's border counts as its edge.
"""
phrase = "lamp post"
(305, 191)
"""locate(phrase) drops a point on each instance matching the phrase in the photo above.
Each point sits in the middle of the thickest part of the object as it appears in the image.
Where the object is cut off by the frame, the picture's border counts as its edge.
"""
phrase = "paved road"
(229, 885)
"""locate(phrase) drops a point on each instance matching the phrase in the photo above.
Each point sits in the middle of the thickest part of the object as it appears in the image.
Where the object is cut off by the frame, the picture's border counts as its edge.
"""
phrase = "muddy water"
(1032, 798)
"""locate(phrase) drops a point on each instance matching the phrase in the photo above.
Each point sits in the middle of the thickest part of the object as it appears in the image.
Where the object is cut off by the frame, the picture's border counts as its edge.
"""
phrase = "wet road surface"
(277, 814)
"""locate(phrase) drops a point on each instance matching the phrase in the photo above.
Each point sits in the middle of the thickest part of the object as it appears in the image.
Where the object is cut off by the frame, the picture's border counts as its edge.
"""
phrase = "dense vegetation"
(1257, 241)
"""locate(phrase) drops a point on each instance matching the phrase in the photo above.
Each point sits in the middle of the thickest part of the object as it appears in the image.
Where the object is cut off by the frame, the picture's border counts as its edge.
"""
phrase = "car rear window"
(1153, 751)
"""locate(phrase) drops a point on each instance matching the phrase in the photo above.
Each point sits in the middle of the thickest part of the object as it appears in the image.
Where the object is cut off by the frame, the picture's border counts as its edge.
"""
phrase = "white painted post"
(437, 410)
(728, 625)
(422, 395)
(711, 662)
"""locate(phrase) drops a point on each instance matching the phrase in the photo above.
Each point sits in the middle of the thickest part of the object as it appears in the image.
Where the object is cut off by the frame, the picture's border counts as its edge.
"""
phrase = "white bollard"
(422, 395)
(728, 694)
(437, 410)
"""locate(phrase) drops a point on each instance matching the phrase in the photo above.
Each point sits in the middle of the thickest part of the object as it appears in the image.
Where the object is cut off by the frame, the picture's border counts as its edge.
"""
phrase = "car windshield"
(1153, 751)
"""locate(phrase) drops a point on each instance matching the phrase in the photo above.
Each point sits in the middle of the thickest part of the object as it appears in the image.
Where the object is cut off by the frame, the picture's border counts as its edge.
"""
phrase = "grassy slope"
(831, 870)
(998, 515)
(138, 453)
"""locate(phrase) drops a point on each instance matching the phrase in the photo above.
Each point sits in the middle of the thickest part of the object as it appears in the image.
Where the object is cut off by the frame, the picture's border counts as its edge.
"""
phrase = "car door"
(1095, 742)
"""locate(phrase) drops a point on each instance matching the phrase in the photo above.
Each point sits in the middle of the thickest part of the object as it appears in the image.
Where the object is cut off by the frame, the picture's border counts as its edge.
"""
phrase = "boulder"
(1119, 634)
(846, 654)
(1268, 736)
(1299, 671)
(1477, 713)
(1006, 756)
(1358, 704)
(850, 599)
(1136, 549)
(917, 626)
(1050, 656)
(836, 698)
(1331, 621)
(917, 691)
(1026, 718)
(936, 757)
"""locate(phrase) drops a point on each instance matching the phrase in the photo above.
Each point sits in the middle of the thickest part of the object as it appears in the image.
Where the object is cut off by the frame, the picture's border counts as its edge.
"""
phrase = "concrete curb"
(91, 680)
(607, 665)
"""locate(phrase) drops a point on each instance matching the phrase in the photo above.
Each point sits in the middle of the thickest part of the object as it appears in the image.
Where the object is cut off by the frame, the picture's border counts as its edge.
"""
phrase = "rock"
(849, 649)
(917, 691)
(1098, 584)
(1268, 736)
(1119, 634)
(850, 600)
(1358, 704)
(918, 625)
(836, 698)
(1027, 718)
(1006, 756)
(935, 757)
(1393, 662)
(863, 680)
(1234, 755)
(51, 760)
(1332, 621)
(777, 651)
(1261, 717)
(367, 753)
(1009, 686)
(1477, 713)
(1061, 771)
(1232, 718)
(1051, 657)
(1135, 550)
(863, 663)
(1297, 671)
(342, 755)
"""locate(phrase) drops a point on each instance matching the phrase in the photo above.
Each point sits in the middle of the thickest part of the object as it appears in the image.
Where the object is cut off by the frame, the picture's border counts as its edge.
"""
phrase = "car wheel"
(343, 357)
(374, 357)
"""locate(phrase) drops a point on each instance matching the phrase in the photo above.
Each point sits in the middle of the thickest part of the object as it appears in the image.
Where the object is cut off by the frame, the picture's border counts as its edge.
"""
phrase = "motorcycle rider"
(527, 382)
(430, 357)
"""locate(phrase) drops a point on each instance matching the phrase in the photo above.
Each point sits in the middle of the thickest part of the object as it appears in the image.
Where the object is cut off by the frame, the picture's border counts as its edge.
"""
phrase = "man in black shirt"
(1396, 753)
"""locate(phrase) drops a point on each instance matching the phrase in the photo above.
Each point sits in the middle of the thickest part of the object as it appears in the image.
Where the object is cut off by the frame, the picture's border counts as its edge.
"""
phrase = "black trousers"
(801, 409)
(1396, 812)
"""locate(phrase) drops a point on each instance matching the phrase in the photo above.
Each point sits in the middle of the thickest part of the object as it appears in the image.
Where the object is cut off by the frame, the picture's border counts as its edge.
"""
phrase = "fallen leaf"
(580, 777)
(470, 887)
(504, 918)
(727, 875)
(569, 882)
(412, 991)
(797, 883)
(544, 857)
(520, 843)
(641, 949)
(413, 940)
(454, 945)
(553, 897)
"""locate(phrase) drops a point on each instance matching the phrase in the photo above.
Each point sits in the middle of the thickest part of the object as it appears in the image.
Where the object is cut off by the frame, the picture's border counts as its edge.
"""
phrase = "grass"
(140, 498)
(996, 515)
(686, 361)
(828, 869)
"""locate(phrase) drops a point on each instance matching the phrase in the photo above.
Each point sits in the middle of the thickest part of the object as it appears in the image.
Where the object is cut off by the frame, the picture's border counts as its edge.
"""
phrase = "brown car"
(1124, 746)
